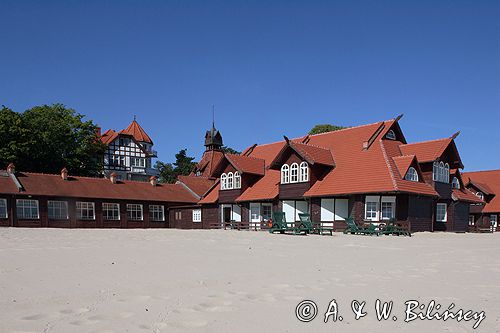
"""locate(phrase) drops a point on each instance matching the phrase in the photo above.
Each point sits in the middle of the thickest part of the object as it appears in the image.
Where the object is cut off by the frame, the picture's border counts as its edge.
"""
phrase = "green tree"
(230, 150)
(14, 138)
(183, 165)
(56, 137)
(323, 128)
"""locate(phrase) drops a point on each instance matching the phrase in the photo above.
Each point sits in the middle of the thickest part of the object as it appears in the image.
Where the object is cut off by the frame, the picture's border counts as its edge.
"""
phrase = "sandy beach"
(57, 280)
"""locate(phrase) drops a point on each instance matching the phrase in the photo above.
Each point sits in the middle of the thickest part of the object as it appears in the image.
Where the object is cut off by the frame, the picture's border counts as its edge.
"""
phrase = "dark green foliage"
(183, 165)
(230, 150)
(49, 137)
(323, 128)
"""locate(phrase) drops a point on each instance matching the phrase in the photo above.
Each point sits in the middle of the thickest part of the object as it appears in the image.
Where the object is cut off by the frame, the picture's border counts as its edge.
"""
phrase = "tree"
(230, 150)
(323, 128)
(14, 139)
(183, 165)
(52, 137)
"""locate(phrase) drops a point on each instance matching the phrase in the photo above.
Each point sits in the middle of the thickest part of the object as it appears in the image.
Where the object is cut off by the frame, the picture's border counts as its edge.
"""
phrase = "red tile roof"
(426, 151)
(247, 164)
(139, 134)
(199, 185)
(212, 196)
(466, 195)
(403, 163)
(313, 154)
(491, 179)
(109, 136)
(266, 188)
(86, 187)
(209, 162)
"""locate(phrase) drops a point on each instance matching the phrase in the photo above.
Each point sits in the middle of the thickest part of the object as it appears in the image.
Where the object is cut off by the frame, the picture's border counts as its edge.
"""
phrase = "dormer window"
(441, 172)
(455, 183)
(230, 181)
(480, 195)
(294, 173)
(304, 172)
(391, 135)
(412, 175)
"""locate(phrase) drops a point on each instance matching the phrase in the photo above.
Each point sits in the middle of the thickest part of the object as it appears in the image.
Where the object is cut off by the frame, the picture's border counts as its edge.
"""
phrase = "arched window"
(391, 135)
(441, 172)
(304, 172)
(480, 195)
(455, 183)
(223, 181)
(446, 177)
(412, 175)
(230, 181)
(294, 173)
(237, 180)
(285, 174)
(435, 171)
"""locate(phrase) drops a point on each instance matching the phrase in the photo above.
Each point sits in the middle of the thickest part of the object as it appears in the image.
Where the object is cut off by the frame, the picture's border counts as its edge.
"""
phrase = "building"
(129, 153)
(367, 172)
(43, 200)
(486, 185)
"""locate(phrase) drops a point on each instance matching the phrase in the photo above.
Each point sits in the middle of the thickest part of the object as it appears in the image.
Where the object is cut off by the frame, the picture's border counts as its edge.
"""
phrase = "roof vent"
(153, 180)
(64, 174)
(113, 177)
(11, 168)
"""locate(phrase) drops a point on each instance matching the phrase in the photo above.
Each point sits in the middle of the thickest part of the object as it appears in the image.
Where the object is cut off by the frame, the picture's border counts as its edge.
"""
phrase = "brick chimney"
(64, 174)
(98, 132)
(11, 168)
(113, 177)
(153, 180)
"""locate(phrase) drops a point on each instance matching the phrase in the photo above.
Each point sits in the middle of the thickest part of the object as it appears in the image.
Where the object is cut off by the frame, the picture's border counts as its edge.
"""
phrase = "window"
(134, 212)
(230, 181)
(114, 160)
(3, 209)
(85, 210)
(388, 208)
(471, 220)
(294, 173)
(304, 172)
(493, 220)
(138, 162)
(441, 172)
(441, 212)
(237, 180)
(480, 195)
(391, 135)
(285, 174)
(292, 209)
(223, 181)
(371, 208)
(435, 171)
(178, 215)
(156, 213)
(327, 209)
(446, 177)
(58, 210)
(412, 175)
(455, 183)
(27, 209)
(196, 215)
(267, 212)
(254, 212)
(111, 211)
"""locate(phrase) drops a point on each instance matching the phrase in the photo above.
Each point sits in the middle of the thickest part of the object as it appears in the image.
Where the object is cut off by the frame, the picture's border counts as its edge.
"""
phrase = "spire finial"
(134, 117)
(213, 116)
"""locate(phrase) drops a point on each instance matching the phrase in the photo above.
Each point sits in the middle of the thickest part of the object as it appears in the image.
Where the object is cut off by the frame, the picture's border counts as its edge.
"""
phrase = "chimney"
(98, 131)
(112, 177)
(153, 180)
(365, 145)
(64, 174)
(11, 168)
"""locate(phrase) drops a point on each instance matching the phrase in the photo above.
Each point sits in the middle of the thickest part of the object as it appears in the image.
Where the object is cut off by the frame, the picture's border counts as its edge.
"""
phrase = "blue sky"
(270, 67)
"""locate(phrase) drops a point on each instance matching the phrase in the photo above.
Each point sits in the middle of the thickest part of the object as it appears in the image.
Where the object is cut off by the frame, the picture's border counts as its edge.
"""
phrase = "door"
(226, 214)
(255, 216)
(494, 222)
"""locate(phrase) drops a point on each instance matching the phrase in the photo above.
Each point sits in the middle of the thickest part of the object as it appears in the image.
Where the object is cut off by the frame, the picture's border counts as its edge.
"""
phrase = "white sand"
(55, 280)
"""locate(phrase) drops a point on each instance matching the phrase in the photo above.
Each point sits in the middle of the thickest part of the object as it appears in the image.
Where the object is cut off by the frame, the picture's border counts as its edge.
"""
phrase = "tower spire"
(213, 116)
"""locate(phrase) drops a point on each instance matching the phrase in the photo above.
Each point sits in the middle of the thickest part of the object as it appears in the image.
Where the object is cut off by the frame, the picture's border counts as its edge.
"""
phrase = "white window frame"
(230, 181)
(87, 206)
(197, 215)
(57, 209)
(223, 181)
(435, 171)
(446, 178)
(134, 209)
(270, 216)
(285, 174)
(154, 211)
(385, 200)
(480, 195)
(3, 204)
(455, 183)
(372, 199)
(304, 172)
(294, 173)
(110, 207)
(141, 160)
(412, 174)
(237, 180)
(445, 217)
(25, 208)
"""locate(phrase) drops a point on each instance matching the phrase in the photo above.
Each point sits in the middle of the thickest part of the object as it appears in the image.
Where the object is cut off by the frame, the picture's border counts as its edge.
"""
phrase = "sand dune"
(55, 280)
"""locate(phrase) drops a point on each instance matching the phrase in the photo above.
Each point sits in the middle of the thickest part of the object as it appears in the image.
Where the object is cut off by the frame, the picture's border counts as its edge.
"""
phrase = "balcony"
(152, 153)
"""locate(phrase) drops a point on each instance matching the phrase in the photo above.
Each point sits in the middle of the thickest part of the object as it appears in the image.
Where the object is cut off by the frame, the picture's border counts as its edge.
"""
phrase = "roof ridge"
(245, 156)
(426, 141)
(389, 167)
(493, 170)
(310, 145)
